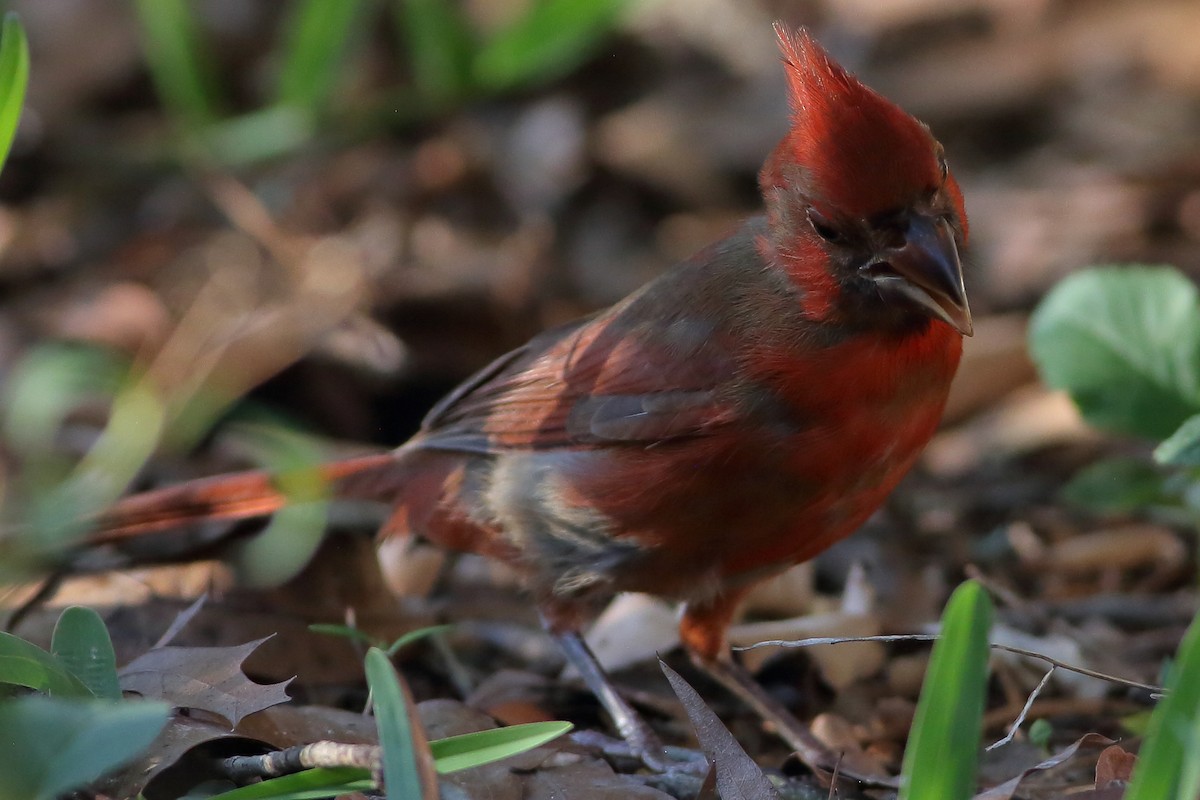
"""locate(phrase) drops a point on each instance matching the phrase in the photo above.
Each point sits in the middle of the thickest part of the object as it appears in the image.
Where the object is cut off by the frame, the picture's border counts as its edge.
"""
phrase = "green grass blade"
(403, 775)
(182, 74)
(942, 754)
(1168, 766)
(318, 31)
(550, 39)
(14, 77)
(311, 784)
(473, 749)
(440, 46)
(415, 635)
(82, 644)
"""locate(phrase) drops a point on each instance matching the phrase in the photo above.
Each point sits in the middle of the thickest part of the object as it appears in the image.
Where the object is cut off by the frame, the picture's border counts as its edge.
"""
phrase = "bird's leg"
(702, 631)
(644, 743)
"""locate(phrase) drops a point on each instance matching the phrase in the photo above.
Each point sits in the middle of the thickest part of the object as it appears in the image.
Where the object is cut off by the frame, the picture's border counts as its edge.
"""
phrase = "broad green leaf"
(942, 754)
(403, 772)
(81, 644)
(182, 74)
(1168, 765)
(1125, 343)
(46, 384)
(549, 40)
(23, 663)
(53, 745)
(14, 77)
(440, 45)
(456, 753)
(318, 31)
(1182, 448)
(1116, 485)
(311, 784)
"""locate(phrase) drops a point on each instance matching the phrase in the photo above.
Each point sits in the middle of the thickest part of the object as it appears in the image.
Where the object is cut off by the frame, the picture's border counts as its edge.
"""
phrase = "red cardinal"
(738, 415)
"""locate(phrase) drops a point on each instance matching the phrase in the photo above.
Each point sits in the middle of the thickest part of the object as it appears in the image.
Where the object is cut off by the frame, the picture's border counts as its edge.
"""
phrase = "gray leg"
(633, 729)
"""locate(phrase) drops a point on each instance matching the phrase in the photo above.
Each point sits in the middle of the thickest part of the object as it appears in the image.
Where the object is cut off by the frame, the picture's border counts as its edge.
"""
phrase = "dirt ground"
(345, 285)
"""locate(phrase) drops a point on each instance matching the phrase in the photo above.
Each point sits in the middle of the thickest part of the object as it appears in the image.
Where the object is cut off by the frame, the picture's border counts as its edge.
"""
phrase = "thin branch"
(243, 769)
(930, 637)
(1016, 725)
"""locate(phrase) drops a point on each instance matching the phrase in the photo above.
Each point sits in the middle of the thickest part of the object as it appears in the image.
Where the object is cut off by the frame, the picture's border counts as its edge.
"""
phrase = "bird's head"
(863, 212)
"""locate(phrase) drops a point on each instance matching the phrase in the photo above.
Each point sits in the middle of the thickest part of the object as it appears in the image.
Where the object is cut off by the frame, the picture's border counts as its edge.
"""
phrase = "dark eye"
(943, 167)
(823, 226)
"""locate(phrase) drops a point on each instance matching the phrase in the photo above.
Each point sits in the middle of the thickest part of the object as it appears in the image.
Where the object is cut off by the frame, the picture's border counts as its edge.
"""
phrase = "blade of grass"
(181, 72)
(14, 77)
(406, 773)
(942, 755)
(1168, 765)
(311, 784)
(549, 40)
(440, 46)
(473, 749)
(318, 31)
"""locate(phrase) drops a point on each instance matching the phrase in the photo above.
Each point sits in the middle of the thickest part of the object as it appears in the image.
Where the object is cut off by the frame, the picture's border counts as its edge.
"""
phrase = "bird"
(735, 416)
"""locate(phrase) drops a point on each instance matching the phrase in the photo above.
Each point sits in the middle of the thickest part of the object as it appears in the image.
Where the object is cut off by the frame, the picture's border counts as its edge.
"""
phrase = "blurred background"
(320, 216)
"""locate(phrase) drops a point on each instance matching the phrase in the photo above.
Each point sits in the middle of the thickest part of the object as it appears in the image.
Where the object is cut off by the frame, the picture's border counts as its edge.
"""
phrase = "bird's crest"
(850, 149)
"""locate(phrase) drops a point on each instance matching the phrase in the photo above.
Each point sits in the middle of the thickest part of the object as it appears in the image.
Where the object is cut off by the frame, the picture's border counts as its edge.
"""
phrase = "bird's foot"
(646, 750)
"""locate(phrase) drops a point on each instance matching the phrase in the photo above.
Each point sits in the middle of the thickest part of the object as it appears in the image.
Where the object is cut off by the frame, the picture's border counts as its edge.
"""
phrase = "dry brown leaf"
(1006, 790)
(207, 678)
(1115, 765)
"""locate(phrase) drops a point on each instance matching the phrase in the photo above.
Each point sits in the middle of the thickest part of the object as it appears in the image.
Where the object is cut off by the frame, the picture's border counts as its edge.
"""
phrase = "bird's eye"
(823, 227)
(943, 167)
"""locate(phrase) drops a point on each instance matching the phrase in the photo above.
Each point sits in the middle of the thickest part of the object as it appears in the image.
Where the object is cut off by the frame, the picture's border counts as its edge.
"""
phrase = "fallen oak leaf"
(206, 678)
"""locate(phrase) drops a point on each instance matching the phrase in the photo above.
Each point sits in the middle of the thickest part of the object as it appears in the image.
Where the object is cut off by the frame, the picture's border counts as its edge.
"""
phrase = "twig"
(242, 769)
(930, 637)
(1016, 725)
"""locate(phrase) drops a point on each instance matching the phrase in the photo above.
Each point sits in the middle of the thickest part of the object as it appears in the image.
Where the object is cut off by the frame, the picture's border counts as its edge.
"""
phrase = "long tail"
(240, 495)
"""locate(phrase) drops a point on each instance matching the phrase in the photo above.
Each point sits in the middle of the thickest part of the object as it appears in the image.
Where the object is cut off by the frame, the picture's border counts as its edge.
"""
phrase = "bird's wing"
(605, 380)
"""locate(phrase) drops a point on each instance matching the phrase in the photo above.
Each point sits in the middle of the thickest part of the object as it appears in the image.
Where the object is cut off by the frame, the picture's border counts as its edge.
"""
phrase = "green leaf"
(549, 40)
(253, 137)
(1116, 485)
(53, 745)
(456, 753)
(1040, 733)
(25, 664)
(1168, 766)
(14, 77)
(397, 740)
(1182, 448)
(941, 757)
(81, 644)
(353, 634)
(413, 636)
(311, 784)
(1125, 343)
(181, 71)
(318, 31)
(440, 45)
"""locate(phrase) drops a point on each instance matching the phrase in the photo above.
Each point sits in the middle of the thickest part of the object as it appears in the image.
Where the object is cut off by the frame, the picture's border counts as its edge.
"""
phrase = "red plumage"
(733, 417)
